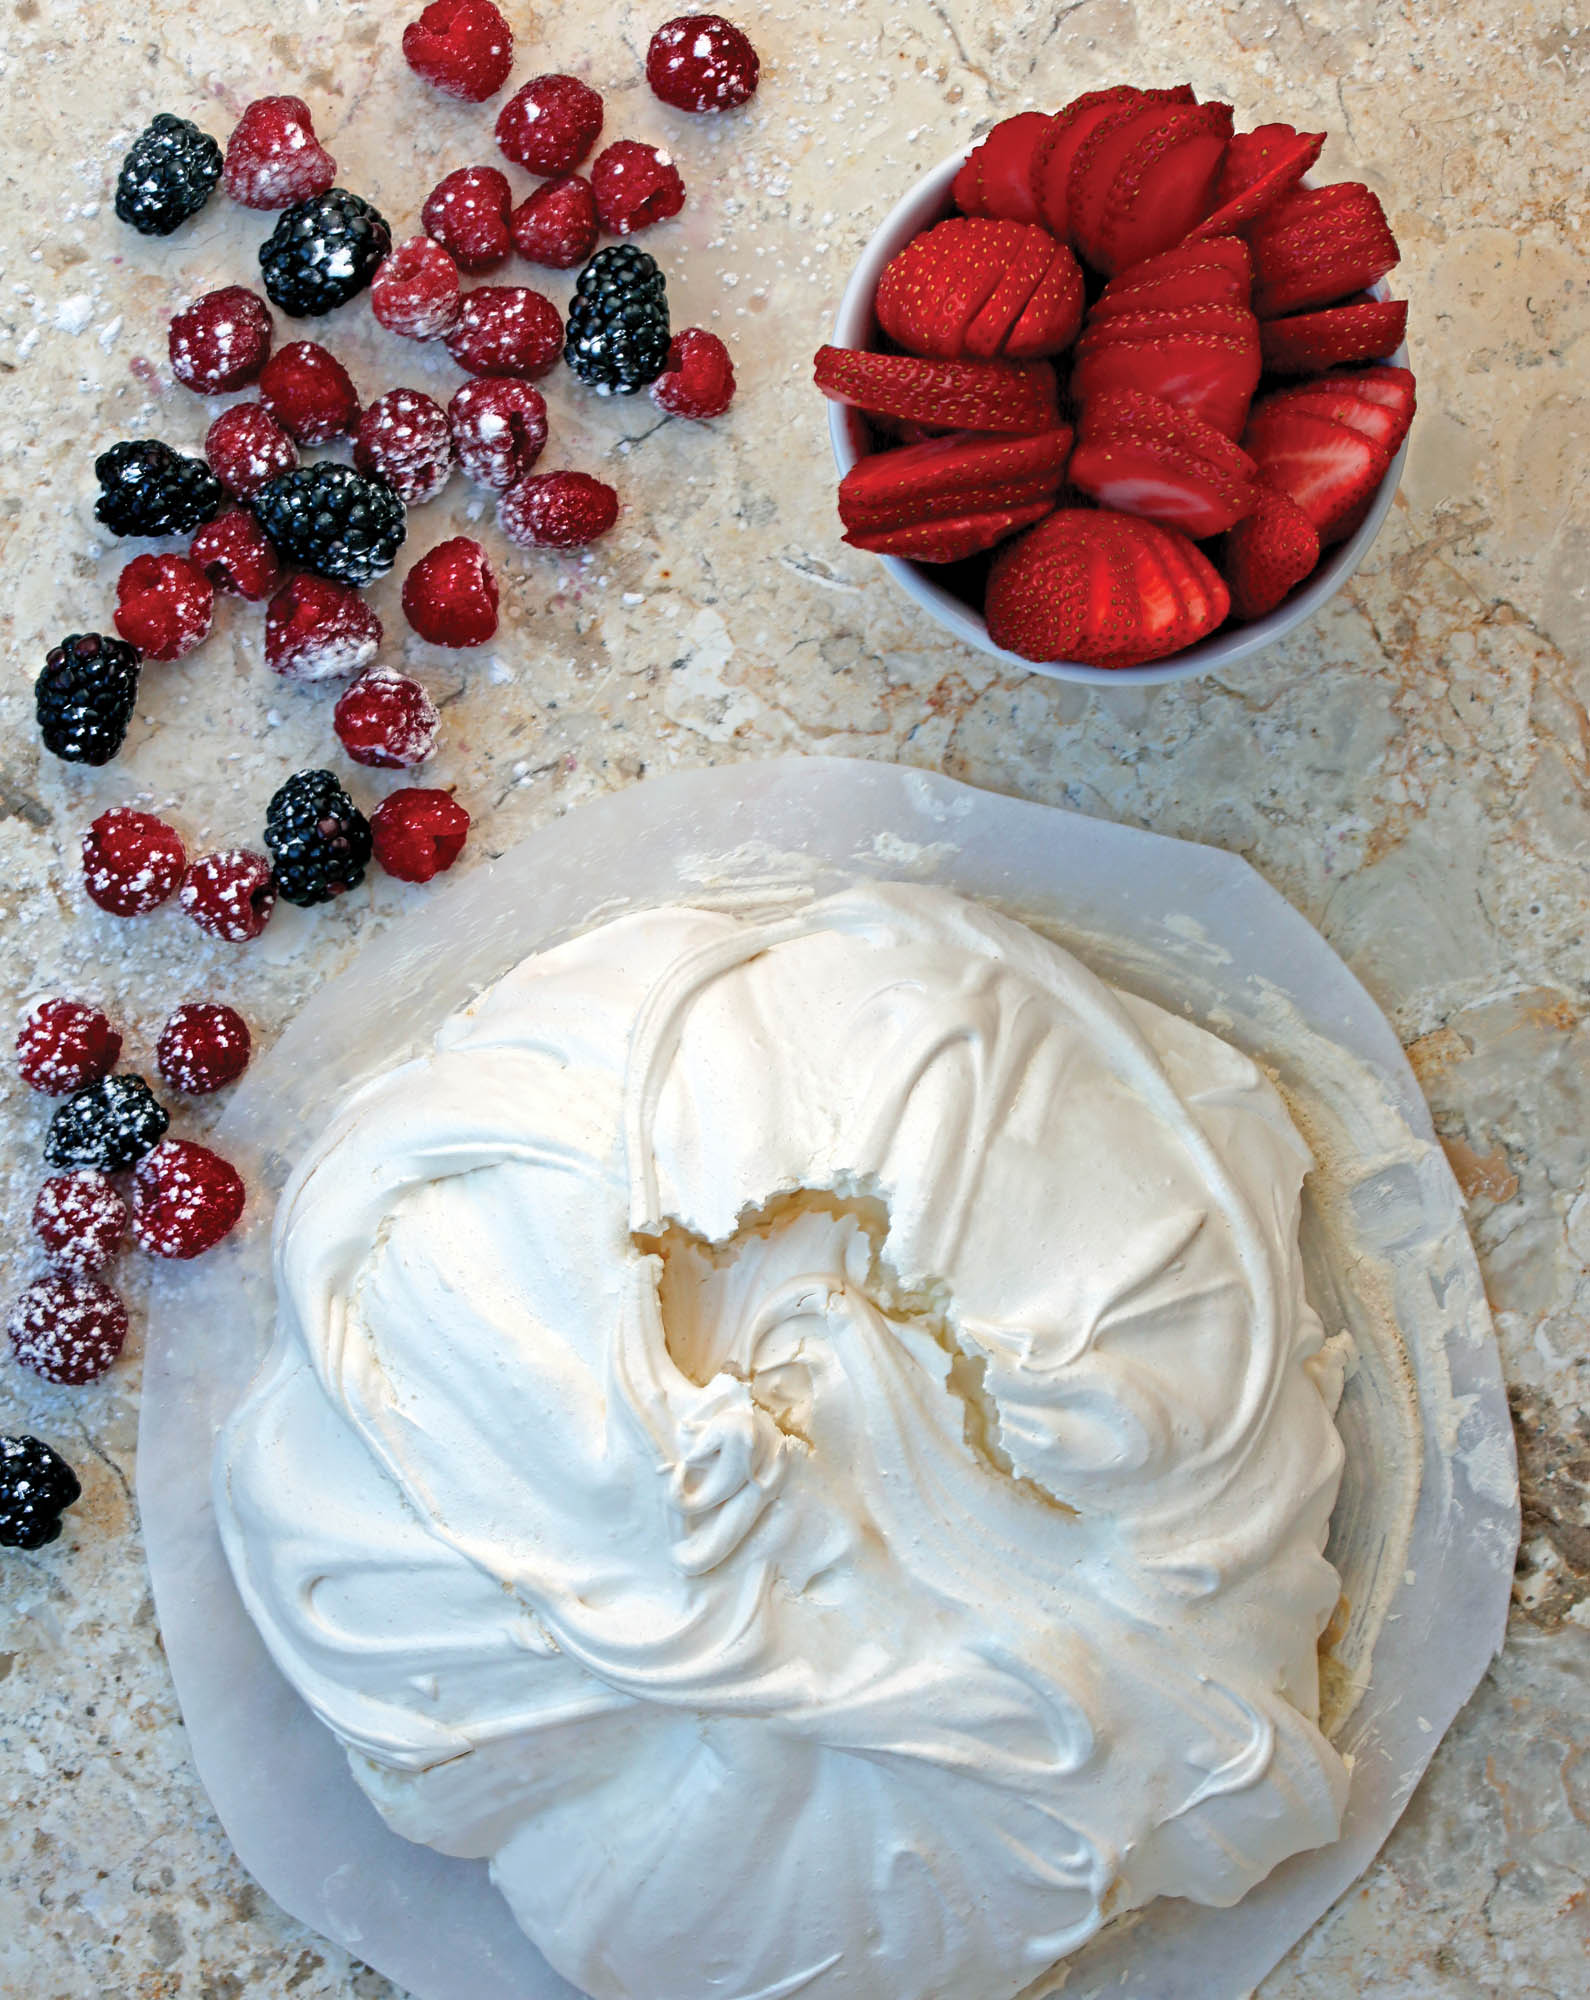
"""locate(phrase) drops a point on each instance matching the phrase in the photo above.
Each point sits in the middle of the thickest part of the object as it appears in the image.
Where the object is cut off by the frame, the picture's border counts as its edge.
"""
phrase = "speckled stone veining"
(1410, 770)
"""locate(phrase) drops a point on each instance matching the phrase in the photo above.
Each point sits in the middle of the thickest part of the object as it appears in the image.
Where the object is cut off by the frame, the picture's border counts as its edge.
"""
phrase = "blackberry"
(340, 523)
(318, 839)
(169, 174)
(36, 1487)
(618, 321)
(322, 252)
(85, 695)
(146, 488)
(109, 1125)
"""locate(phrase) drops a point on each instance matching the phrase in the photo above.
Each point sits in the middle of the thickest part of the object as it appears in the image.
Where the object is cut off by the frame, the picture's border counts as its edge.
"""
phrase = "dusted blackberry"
(36, 1487)
(108, 1125)
(169, 174)
(322, 252)
(340, 523)
(84, 697)
(146, 488)
(618, 322)
(318, 839)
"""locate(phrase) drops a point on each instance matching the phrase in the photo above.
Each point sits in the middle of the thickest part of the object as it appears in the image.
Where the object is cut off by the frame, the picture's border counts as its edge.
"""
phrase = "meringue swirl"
(803, 1441)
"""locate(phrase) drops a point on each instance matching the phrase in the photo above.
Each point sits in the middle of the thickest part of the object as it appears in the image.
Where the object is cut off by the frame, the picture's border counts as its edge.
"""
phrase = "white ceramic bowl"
(856, 326)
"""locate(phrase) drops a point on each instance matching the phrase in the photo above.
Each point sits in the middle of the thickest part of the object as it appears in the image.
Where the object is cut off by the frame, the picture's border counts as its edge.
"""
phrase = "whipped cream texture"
(803, 1442)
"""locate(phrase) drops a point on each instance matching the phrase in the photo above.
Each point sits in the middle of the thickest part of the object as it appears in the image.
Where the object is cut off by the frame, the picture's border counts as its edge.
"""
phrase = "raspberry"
(106, 1125)
(699, 379)
(203, 1046)
(635, 186)
(230, 894)
(556, 224)
(557, 510)
(499, 429)
(550, 125)
(131, 861)
(236, 554)
(506, 330)
(701, 62)
(184, 1199)
(273, 157)
(467, 213)
(317, 630)
(67, 1329)
(386, 719)
(221, 342)
(246, 446)
(415, 292)
(164, 605)
(403, 436)
(450, 595)
(65, 1044)
(309, 393)
(80, 1219)
(463, 47)
(418, 833)
(36, 1487)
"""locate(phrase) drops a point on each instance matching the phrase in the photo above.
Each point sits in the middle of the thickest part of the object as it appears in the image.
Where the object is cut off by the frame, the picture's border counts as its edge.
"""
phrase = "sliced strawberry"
(1211, 374)
(1394, 387)
(1131, 412)
(947, 476)
(936, 286)
(1380, 423)
(952, 539)
(1150, 322)
(1134, 475)
(1101, 157)
(1268, 554)
(1163, 187)
(960, 395)
(1330, 471)
(997, 176)
(1174, 291)
(1229, 253)
(1056, 151)
(1310, 342)
(1051, 317)
(1205, 599)
(1318, 245)
(1260, 167)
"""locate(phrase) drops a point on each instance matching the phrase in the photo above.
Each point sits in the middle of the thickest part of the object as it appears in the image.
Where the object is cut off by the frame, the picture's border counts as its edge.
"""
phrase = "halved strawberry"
(1268, 554)
(1140, 455)
(963, 285)
(1162, 186)
(1317, 245)
(960, 395)
(949, 476)
(1209, 368)
(1260, 167)
(952, 539)
(1057, 148)
(997, 176)
(1330, 471)
(1309, 342)
(1217, 273)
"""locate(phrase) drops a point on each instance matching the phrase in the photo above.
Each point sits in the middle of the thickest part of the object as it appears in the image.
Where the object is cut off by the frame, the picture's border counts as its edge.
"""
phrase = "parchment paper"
(1427, 1524)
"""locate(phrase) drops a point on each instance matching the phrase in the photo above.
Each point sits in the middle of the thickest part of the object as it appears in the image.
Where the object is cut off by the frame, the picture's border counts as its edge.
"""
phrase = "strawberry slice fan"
(1136, 384)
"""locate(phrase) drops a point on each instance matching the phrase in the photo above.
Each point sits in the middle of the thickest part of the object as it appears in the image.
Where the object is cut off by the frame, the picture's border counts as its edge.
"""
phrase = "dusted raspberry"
(80, 1219)
(499, 429)
(203, 1046)
(557, 510)
(246, 446)
(467, 213)
(635, 186)
(184, 1199)
(699, 379)
(164, 605)
(556, 224)
(550, 125)
(229, 894)
(317, 630)
(415, 292)
(701, 62)
(386, 719)
(67, 1328)
(418, 833)
(131, 861)
(222, 341)
(236, 554)
(64, 1044)
(309, 393)
(463, 47)
(450, 595)
(404, 437)
(506, 330)
(273, 157)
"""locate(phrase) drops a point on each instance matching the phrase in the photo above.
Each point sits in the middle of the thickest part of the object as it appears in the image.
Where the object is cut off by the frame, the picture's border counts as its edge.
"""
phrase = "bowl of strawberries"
(1120, 393)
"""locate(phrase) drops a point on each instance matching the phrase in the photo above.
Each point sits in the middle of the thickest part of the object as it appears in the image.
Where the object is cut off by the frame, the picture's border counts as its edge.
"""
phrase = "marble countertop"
(1410, 769)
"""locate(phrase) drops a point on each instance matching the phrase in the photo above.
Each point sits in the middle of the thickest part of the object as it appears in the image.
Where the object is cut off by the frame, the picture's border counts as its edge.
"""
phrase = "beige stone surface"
(1410, 769)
